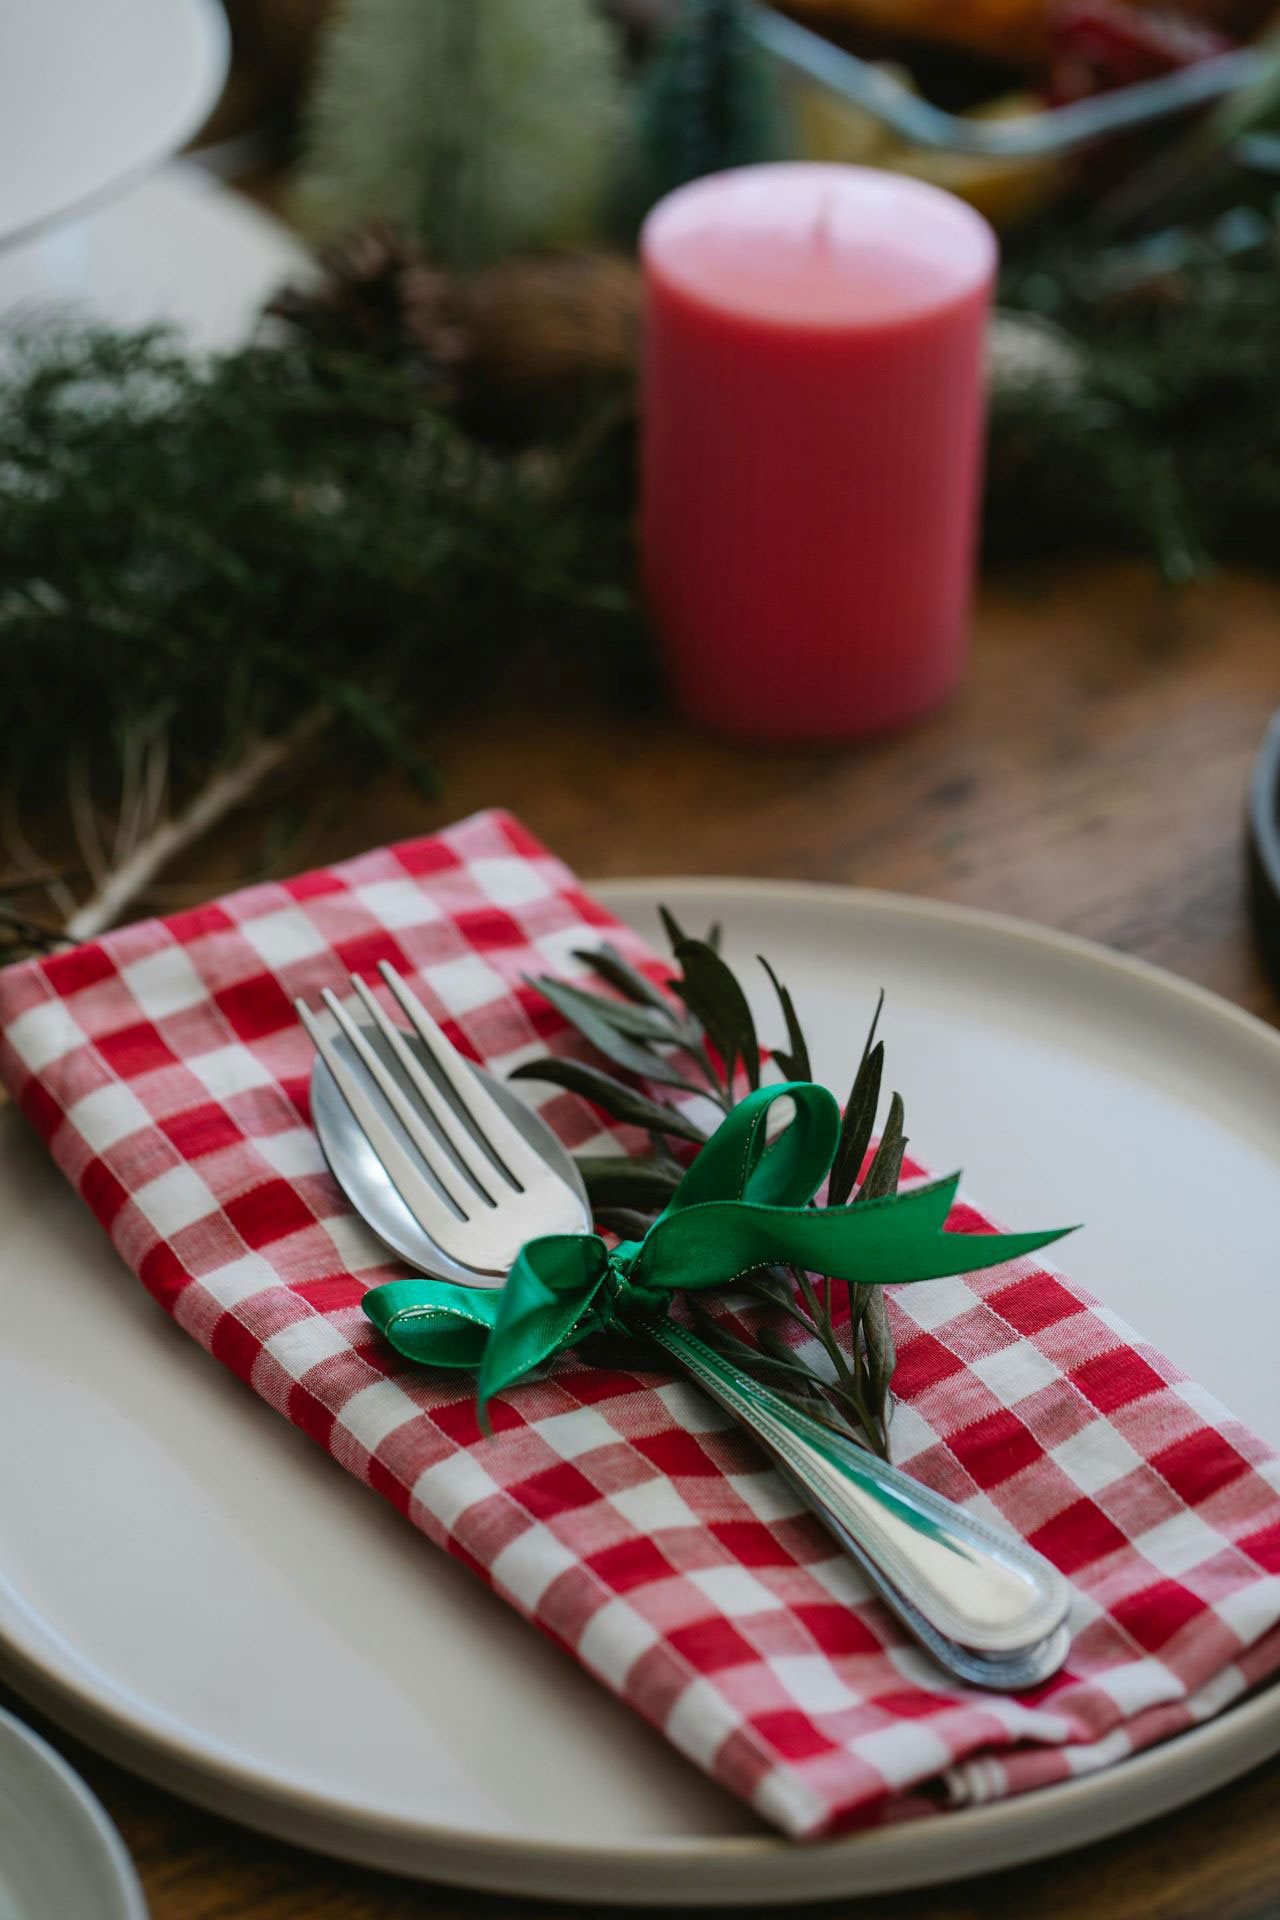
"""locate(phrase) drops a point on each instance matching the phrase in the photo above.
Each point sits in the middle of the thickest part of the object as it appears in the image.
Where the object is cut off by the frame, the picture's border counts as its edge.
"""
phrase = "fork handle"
(974, 1586)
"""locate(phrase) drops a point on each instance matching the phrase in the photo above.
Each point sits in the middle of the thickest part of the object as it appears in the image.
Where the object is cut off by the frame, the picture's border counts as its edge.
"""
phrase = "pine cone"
(553, 318)
(379, 295)
(530, 331)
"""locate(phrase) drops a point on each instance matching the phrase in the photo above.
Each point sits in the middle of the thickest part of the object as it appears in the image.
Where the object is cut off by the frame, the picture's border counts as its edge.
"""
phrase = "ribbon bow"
(742, 1205)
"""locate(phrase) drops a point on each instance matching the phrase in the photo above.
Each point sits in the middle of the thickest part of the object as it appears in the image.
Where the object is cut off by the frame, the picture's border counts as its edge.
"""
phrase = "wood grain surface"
(1091, 776)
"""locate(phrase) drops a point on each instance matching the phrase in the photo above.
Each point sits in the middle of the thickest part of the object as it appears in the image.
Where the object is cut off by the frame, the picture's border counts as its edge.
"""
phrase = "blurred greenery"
(212, 549)
(1163, 435)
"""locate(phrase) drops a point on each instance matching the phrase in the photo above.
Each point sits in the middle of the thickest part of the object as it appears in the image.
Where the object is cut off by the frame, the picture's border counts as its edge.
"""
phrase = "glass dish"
(1046, 133)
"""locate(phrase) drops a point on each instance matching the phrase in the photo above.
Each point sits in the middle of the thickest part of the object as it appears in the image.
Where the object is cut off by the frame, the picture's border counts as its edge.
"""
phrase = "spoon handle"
(959, 1584)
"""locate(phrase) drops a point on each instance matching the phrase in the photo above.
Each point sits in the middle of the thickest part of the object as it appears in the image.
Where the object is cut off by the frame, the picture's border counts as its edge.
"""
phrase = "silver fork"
(979, 1600)
(480, 1203)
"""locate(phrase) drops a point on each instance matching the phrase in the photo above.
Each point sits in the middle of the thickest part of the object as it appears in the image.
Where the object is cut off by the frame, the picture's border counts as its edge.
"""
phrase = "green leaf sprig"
(699, 1038)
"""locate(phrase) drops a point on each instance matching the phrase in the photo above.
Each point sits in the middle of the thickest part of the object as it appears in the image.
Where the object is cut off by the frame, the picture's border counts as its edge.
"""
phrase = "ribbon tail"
(548, 1294)
(889, 1242)
(972, 1252)
(903, 1239)
(434, 1322)
(499, 1334)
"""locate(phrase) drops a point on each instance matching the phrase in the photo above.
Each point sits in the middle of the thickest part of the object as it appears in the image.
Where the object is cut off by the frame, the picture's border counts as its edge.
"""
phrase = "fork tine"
(456, 1137)
(451, 1177)
(484, 1112)
(427, 1208)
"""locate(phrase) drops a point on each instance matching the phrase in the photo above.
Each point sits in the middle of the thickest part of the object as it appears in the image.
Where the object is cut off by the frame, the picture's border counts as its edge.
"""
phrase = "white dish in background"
(60, 1856)
(180, 249)
(93, 95)
(318, 1670)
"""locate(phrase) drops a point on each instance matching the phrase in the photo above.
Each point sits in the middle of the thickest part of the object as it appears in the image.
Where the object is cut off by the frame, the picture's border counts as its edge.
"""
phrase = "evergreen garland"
(200, 556)
(1163, 435)
(480, 127)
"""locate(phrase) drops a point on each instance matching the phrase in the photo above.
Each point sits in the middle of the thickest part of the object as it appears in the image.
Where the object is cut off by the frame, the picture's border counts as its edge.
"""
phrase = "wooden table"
(1090, 776)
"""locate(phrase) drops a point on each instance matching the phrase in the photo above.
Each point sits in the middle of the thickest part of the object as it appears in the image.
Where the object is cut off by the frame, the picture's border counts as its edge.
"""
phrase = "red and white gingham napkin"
(166, 1070)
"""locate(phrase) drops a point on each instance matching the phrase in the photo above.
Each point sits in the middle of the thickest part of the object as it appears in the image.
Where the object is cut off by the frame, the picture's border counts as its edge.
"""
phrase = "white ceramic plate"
(180, 249)
(92, 95)
(190, 1584)
(59, 1853)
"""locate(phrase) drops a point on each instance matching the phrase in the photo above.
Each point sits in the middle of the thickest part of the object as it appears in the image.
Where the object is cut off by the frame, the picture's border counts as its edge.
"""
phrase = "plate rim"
(489, 1860)
(92, 1817)
(203, 91)
(890, 904)
(150, 1744)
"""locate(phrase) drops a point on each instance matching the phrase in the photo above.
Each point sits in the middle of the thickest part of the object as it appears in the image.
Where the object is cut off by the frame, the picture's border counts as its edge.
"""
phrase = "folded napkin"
(166, 1070)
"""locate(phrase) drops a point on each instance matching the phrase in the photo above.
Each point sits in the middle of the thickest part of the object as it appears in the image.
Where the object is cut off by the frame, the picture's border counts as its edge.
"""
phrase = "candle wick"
(824, 218)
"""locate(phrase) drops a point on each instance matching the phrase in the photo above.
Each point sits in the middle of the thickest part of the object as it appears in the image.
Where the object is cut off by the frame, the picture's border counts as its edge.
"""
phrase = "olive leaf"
(585, 1013)
(614, 968)
(754, 1359)
(772, 1344)
(671, 927)
(866, 1305)
(886, 1169)
(602, 1090)
(878, 1338)
(624, 1016)
(795, 1062)
(771, 1285)
(613, 1180)
(857, 1128)
(710, 990)
(627, 1222)
(858, 1425)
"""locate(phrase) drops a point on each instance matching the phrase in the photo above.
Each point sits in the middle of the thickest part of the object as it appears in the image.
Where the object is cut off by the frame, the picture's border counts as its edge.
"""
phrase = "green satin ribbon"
(742, 1205)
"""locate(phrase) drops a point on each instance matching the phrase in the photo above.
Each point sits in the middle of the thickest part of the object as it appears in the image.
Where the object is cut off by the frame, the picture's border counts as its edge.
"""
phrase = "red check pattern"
(165, 1069)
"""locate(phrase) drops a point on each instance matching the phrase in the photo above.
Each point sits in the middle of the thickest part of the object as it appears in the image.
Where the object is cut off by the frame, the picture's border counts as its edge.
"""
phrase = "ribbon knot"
(627, 1297)
(745, 1203)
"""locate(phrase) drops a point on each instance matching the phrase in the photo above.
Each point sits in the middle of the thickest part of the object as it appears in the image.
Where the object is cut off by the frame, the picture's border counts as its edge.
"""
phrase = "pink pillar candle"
(813, 410)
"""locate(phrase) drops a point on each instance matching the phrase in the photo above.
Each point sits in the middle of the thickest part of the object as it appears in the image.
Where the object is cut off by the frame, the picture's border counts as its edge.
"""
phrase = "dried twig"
(36, 871)
(30, 931)
(117, 888)
(85, 822)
